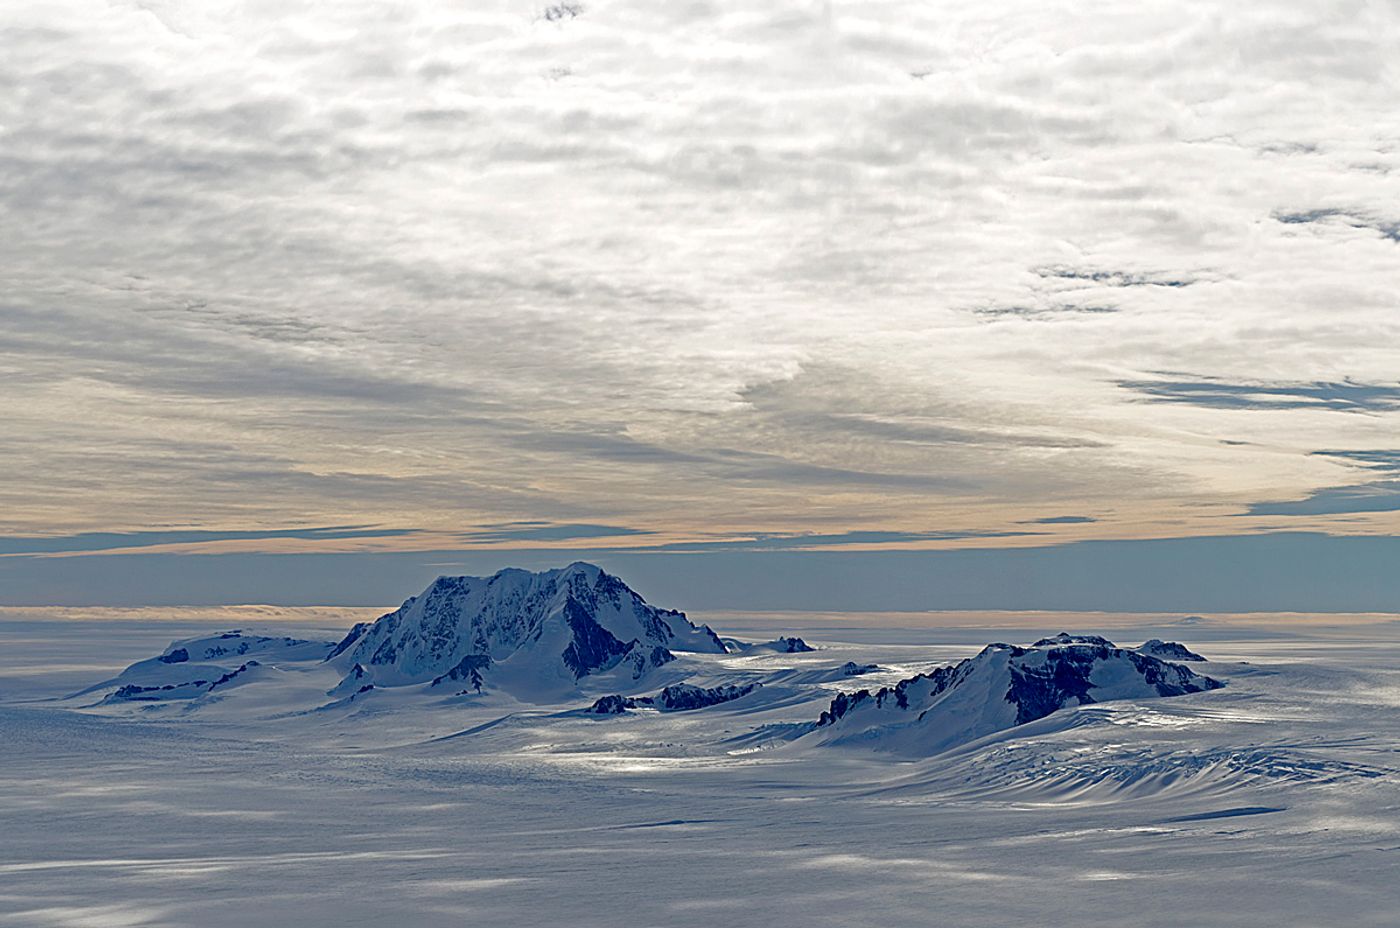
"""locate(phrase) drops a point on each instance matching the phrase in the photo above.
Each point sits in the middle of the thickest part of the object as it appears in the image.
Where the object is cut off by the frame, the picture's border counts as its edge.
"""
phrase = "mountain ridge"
(1003, 686)
(557, 626)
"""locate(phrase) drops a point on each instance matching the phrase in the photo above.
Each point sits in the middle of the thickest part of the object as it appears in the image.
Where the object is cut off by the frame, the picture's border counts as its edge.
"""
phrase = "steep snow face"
(1001, 687)
(1168, 650)
(556, 625)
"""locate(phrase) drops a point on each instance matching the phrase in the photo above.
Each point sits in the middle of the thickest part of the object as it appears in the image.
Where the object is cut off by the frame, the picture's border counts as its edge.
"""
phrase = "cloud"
(117, 541)
(1114, 278)
(855, 539)
(1383, 496)
(683, 271)
(1352, 218)
(1383, 459)
(404, 538)
(1041, 312)
(1061, 520)
(1345, 396)
(1369, 496)
(534, 531)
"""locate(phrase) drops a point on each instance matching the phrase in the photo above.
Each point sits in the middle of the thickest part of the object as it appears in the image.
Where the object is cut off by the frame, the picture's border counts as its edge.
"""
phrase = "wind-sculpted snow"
(434, 805)
(1003, 686)
(1061, 765)
(1168, 650)
(807, 675)
(523, 629)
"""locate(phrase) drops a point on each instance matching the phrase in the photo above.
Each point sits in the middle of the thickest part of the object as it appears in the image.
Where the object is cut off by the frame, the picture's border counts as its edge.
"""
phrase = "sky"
(1024, 303)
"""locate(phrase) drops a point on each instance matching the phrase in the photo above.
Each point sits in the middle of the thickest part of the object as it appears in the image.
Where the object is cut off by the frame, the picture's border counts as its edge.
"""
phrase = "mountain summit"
(523, 629)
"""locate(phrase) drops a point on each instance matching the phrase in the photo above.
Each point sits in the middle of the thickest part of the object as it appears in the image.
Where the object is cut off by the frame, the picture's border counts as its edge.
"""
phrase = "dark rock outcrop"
(468, 669)
(233, 674)
(679, 697)
(683, 696)
(615, 705)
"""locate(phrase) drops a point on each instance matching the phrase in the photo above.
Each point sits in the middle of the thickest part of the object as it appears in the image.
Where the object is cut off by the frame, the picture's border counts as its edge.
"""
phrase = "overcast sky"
(339, 277)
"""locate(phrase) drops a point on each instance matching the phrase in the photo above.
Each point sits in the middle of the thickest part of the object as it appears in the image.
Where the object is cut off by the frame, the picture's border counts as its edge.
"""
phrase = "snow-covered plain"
(1272, 801)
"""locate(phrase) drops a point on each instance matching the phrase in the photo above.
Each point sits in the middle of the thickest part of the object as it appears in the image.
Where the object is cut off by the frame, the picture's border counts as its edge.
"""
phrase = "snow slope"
(193, 667)
(1003, 686)
(406, 806)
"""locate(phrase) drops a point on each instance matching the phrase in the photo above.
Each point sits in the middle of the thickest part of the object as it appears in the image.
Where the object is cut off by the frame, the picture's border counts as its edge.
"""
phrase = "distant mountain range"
(559, 637)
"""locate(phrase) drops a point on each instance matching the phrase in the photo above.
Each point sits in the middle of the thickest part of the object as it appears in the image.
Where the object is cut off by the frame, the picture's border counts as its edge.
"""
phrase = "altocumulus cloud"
(782, 271)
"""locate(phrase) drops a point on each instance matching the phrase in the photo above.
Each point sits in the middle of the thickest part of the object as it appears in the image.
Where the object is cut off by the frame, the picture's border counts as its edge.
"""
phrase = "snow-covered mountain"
(783, 645)
(1153, 647)
(1001, 687)
(529, 632)
(193, 667)
(1168, 650)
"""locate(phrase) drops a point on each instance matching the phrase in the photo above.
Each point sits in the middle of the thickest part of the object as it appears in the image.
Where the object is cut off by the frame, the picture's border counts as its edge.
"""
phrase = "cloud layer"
(859, 274)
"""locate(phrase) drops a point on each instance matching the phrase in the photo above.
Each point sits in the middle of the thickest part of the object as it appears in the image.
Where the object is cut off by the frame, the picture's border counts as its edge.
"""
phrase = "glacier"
(305, 791)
